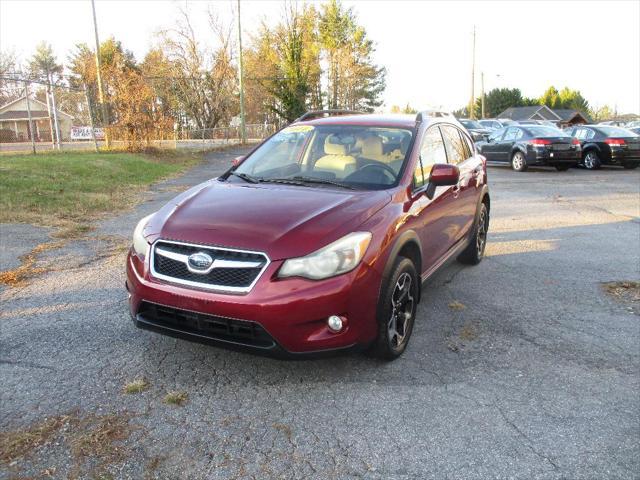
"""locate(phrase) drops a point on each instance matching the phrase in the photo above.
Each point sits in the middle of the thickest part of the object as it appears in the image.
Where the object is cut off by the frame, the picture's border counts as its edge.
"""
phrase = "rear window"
(617, 132)
(541, 131)
(471, 124)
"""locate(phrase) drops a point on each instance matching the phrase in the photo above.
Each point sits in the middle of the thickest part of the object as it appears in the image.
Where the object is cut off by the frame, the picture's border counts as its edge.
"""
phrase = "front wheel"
(518, 162)
(629, 166)
(397, 310)
(473, 254)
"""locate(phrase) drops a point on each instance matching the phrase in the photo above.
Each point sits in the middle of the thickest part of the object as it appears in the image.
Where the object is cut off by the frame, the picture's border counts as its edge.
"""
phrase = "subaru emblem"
(200, 261)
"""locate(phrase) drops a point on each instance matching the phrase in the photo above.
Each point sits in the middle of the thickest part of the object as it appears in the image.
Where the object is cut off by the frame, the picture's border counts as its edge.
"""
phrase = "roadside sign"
(84, 133)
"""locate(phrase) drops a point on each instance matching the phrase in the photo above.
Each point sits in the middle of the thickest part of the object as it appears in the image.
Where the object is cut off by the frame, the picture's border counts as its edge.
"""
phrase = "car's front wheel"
(397, 310)
(630, 165)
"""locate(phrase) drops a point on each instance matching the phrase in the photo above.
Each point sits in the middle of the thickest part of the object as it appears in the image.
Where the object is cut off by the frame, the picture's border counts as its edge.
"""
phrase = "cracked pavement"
(536, 377)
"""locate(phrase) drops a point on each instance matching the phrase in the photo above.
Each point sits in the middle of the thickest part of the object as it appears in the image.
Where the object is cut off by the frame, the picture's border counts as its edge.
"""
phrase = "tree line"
(499, 99)
(314, 57)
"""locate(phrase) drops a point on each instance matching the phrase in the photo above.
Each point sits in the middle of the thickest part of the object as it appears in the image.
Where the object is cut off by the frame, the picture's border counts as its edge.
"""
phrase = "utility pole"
(103, 105)
(243, 131)
(472, 114)
(482, 92)
(47, 93)
(26, 94)
(55, 111)
(93, 128)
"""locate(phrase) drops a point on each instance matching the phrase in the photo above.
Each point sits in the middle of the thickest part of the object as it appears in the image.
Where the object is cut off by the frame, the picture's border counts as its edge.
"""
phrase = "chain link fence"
(37, 115)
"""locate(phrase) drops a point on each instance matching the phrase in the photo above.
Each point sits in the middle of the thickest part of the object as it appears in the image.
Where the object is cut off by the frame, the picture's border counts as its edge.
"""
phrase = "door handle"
(456, 191)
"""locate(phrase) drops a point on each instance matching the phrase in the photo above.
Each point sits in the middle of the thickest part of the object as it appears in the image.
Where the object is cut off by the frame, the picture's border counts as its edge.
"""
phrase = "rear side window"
(497, 135)
(513, 134)
(456, 152)
(432, 151)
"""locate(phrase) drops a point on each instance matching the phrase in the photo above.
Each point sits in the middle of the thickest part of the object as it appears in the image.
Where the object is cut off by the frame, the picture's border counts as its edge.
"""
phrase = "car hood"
(281, 220)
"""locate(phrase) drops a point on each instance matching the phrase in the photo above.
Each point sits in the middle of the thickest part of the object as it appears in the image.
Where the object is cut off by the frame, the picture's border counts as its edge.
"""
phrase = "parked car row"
(523, 145)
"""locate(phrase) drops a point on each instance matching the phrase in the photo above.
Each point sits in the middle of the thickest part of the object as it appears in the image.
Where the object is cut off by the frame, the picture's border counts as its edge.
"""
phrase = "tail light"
(538, 142)
(575, 141)
(614, 141)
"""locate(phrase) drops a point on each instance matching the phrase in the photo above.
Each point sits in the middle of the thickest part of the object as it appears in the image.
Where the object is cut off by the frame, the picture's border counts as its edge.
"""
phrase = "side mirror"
(443, 174)
(238, 160)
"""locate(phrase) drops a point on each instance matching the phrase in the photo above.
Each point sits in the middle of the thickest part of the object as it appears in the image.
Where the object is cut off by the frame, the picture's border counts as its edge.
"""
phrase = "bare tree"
(204, 78)
(9, 90)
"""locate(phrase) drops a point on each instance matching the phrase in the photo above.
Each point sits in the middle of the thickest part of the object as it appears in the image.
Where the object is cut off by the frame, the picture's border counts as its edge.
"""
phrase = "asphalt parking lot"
(521, 367)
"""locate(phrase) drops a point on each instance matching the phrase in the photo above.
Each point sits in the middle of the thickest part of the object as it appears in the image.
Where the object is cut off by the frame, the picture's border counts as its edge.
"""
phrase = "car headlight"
(140, 244)
(338, 257)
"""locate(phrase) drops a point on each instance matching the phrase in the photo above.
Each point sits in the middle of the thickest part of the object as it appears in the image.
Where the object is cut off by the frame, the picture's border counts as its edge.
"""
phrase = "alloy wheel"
(402, 304)
(481, 236)
(518, 161)
(590, 160)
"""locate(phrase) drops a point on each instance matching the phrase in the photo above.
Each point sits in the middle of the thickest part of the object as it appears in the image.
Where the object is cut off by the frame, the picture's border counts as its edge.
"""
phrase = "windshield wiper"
(245, 177)
(323, 181)
(286, 181)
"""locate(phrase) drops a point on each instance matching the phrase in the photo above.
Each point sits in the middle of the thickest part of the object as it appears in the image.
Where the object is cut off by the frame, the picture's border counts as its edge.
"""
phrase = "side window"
(512, 134)
(466, 143)
(496, 136)
(432, 151)
(454, 146)
(580, 133)
(589, 134)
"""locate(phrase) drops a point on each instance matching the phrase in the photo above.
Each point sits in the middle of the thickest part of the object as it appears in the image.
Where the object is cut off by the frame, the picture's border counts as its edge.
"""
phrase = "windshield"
(546, 132)
(616, 131)
(471, 124)
(338, 155)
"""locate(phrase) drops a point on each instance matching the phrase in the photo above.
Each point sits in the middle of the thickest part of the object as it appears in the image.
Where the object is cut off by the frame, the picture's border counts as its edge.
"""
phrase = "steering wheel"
(385, 168)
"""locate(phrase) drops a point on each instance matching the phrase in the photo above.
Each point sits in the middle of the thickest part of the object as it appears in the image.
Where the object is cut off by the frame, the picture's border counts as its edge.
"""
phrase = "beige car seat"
(373, 149)
(335, 159)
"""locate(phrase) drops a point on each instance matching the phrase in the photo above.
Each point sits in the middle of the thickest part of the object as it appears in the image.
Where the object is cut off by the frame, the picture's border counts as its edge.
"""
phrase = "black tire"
(591, 160)
(629, 166)
(473, 254)
(519, 162)
(389, 346)
(562, 168)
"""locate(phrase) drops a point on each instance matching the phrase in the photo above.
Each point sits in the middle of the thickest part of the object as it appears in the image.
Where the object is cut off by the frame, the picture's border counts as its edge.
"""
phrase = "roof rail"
(325, 113)
(432, 113)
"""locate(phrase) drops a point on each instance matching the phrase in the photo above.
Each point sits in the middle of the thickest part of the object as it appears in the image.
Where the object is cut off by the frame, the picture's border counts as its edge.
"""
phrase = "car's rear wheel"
(518, 162)
(562, 168)
(473, 254)
(630, 165)
(592, 160)
(397, 310)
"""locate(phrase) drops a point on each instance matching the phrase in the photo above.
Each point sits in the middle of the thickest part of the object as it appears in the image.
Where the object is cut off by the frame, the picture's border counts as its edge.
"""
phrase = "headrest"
(331, 148)
(372, 147)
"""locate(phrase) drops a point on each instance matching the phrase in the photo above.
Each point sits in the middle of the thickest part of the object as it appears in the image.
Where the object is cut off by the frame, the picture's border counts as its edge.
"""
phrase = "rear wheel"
(472, 255)
(592, 160)
(630, 166)
(562, 168)
(518, 162)
(397, 310)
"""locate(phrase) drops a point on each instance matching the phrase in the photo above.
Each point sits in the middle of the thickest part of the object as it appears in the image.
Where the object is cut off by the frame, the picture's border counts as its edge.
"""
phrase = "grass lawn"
(68, 190)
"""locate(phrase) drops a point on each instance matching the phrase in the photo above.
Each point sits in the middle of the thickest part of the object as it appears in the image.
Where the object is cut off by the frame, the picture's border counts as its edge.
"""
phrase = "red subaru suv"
(318, 240)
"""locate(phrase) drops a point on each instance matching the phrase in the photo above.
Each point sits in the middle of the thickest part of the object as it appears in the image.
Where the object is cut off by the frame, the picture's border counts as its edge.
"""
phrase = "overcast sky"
(591, 46)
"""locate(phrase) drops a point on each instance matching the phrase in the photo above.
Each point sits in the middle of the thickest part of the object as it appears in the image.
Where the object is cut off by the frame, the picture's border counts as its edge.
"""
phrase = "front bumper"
(288, 314)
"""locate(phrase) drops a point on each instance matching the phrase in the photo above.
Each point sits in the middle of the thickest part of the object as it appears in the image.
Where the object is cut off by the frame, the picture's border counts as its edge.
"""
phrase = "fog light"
(334, 323)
